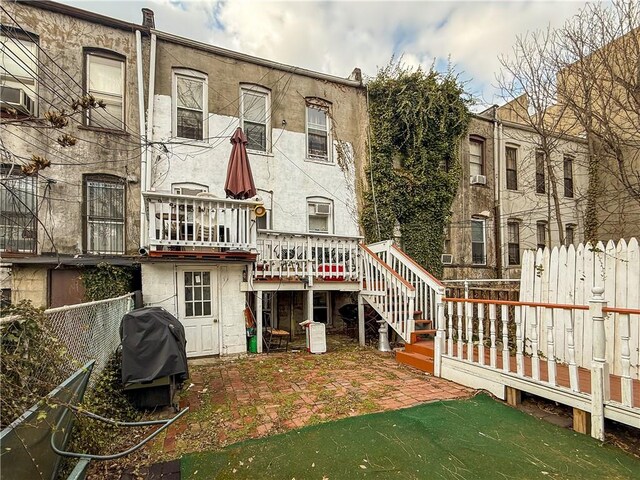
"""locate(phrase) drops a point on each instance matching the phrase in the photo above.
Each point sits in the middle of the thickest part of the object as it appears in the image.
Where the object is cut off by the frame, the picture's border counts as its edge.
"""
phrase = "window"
(105, 81)
(568, 177)
(513, 232)
(569, 235)
(476, 156)
(189, 104)
(541, 233)
(19, 61)
(197, 294)
(318, 139)
(512, 169)
(256, 122)
(321, 307)
(192, 189)
(17, 210)
(540, 180)
(320, 213)
(264, 222)
(105, 210)
(478, 248)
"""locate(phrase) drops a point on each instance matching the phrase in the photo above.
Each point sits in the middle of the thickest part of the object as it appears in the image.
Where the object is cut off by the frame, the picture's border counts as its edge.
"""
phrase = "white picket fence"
(567, 276)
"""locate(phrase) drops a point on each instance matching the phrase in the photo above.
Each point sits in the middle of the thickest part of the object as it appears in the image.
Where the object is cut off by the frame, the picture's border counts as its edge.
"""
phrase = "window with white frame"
(318, 128)
(264, 222)
(540, 176)
(188, 188)
(541, 234)
(190, 107)
(197, 294)
(568, 176)
(513, 237)
(320, 215)
(105, 82)
(511, 154)
(476, 156)
(105, 214)
(18, 210)
(18, 77)
(478, 242)
(569, 235)
(255, 117)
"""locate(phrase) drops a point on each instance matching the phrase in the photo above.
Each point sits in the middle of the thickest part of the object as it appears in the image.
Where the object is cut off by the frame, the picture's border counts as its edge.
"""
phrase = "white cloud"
(335, 37)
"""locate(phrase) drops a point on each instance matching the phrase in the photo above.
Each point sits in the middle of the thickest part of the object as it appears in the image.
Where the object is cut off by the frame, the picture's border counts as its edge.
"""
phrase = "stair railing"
(388, 293)
(429, 290)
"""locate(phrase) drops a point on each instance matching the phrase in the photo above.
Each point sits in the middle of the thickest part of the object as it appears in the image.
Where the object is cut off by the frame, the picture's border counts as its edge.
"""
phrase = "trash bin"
(253, 344)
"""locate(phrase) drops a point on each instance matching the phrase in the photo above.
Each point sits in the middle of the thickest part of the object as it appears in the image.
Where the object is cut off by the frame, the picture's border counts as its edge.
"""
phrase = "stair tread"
(416, 355)
(429, 330)
(416, 360)
(423, 321)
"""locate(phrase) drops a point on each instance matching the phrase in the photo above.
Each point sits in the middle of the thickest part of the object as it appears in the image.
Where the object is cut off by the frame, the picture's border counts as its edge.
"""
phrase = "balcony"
(305, 256)
(199, 223)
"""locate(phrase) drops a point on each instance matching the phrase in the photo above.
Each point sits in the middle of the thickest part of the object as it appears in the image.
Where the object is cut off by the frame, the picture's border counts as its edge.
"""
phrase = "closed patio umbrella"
(239, 184)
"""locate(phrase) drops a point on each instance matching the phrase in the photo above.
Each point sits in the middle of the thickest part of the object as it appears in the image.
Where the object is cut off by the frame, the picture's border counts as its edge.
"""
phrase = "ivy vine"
(106, 281)
(417, 119)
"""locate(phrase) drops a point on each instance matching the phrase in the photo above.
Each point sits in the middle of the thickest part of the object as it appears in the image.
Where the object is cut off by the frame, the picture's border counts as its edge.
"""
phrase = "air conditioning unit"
(446, 259)
(17, 99)
(478, 180)
(323, 209)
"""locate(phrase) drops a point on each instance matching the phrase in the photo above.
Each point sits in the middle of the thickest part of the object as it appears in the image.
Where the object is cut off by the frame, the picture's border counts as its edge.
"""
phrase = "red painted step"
(425, 348)
(417, 333)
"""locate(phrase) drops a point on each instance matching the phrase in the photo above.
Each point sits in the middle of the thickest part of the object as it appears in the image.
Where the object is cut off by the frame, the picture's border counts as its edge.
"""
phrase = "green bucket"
(253, 344)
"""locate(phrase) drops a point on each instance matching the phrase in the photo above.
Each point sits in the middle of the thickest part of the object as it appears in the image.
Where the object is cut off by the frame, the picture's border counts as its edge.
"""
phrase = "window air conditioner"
(478, 180)
(446, 259)
(17, 99)
(323, 209)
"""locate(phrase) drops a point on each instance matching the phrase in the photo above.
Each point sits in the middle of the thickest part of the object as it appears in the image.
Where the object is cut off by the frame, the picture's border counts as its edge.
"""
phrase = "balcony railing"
(307, 255)
(199, 222)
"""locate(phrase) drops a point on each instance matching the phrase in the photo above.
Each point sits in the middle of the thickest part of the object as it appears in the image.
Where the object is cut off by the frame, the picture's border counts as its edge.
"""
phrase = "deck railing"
(307, 255)
(506, 339)
(200, 222)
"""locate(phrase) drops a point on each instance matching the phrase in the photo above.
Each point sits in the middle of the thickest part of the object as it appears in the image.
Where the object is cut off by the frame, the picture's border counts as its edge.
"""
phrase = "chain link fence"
(90, 331)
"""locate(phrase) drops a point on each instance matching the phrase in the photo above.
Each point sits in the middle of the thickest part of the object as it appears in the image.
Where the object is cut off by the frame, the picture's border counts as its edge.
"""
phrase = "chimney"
(356, 75)
(148, 19)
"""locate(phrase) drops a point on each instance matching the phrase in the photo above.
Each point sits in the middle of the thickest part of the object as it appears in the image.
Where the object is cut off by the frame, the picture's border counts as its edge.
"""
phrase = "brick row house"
(81, 210)
(143, 184)
(504, 203)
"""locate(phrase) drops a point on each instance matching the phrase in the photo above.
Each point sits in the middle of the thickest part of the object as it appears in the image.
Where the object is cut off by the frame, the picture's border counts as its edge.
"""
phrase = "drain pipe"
(143, 139)
(497, 154)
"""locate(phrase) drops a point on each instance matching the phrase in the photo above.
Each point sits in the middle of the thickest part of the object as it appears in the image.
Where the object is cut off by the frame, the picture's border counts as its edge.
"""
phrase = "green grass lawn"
(461, 439)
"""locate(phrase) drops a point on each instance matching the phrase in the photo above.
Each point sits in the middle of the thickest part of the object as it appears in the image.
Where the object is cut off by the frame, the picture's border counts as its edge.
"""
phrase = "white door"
(199, 310)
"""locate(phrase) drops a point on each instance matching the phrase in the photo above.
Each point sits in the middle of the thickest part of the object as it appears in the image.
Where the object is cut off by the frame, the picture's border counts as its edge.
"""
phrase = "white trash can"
(316, 336)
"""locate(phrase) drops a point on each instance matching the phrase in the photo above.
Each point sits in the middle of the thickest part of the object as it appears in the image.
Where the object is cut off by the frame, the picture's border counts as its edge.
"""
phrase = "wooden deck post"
(259, 320)
(440, 332)
(599, 367)
(514, 396)
(581, 421)
(361, 338)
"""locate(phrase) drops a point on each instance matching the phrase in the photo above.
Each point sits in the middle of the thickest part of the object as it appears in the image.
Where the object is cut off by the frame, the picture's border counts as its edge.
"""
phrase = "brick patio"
(265, 394)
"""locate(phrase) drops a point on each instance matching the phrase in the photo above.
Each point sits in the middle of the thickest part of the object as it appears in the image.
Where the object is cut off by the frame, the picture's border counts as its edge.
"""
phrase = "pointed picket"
(620, 300)
(561, 297)
(579, 299)
(633, 301)
(610, 259)
(587, 325)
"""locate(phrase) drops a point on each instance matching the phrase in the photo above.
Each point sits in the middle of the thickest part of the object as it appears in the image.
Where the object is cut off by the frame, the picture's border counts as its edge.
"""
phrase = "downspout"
(143, 142)
(150, 103)
(497, 149)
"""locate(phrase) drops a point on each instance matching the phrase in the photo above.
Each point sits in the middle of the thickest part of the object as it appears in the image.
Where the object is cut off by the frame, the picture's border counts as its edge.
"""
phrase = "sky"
(335, 37)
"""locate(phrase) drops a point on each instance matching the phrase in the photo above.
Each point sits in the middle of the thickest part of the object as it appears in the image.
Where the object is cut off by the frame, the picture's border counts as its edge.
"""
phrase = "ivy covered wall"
(417, 119)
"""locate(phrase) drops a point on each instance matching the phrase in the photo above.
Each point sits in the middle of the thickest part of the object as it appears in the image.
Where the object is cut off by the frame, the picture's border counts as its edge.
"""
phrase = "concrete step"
(423, 348)
(416, 360)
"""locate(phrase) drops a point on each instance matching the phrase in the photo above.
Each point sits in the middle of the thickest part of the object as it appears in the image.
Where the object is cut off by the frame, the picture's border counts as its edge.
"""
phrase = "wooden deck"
(562, 371)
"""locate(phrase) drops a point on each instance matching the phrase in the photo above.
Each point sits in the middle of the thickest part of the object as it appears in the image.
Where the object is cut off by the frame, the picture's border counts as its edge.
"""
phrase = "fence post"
(440, 332)
(599, 367)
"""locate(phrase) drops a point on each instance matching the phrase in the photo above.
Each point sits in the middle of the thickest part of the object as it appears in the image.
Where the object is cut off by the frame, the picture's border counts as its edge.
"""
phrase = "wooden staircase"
(418, 355)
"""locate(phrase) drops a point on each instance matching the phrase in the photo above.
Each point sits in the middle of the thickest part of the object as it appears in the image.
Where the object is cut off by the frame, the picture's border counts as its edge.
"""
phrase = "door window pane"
(197, 294)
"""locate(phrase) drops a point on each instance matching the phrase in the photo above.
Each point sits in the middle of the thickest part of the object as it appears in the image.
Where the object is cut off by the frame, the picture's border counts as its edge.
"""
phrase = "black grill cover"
(153, 346)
